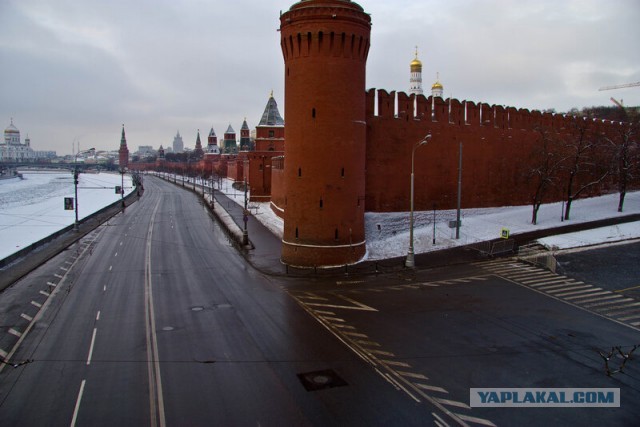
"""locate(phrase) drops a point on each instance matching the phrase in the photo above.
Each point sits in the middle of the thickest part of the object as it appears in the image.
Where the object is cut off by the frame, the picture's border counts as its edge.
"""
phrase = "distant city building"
(212, 143)
(269, 134)
(230, 145)
(415, 81)
(198, 151)
(437, 89)
(13, 150)
(145, 150)
(245, 136)
(178, 144)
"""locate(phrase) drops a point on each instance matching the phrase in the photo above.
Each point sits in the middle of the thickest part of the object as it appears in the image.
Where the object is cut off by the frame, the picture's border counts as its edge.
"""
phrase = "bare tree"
(586, 160)
(626, 154)
(546, 160)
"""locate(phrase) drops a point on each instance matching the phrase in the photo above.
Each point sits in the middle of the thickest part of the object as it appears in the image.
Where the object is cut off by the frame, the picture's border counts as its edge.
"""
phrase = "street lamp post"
(245, 217)
(122, 186)
(410, 261)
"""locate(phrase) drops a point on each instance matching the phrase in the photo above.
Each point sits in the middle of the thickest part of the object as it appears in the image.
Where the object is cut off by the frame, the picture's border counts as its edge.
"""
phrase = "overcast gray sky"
(76, 70)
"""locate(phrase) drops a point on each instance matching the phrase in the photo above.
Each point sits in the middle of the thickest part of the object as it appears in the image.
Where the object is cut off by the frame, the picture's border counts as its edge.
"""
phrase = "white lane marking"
(77, 408)
(588, 289)
(44, 308)
(116, 254)
(431, 388)
(395, 363)
(14, 332)
(120, 243)
(452, 403)
(599, 296)
(110, 267)
(617, 301)
(53, 285)
(93, 341)
(587, 295)
(46, 294)
(412, 375)
(156, 399)
(26, 317)
(64, 268)
(104, 288)
(58, 276)
(98, 315)
(476, 420)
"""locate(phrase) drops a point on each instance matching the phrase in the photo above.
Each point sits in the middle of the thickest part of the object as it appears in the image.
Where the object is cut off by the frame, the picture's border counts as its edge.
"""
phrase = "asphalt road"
(159, 321)
(156, 319)
(614, 267)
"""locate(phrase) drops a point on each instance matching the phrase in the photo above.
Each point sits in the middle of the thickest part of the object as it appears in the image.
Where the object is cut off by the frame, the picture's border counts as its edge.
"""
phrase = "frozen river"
(32, 208)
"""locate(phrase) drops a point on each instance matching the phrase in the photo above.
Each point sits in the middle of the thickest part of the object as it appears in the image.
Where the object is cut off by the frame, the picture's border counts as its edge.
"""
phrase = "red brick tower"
(325, 44)
(123, 152)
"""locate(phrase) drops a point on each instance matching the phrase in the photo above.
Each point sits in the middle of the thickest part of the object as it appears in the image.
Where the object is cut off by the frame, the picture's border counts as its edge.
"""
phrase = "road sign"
(68, 203)
(504, 233)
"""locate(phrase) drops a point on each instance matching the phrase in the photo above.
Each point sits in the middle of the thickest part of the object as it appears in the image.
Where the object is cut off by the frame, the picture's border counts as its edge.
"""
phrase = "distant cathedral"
(415, 81)
(13, 150)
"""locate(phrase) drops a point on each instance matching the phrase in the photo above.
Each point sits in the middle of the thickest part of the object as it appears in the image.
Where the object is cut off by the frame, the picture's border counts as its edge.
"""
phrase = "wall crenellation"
(400, 105)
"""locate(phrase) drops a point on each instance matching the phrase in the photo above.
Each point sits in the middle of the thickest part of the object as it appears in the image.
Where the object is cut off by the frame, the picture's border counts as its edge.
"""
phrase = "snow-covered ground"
(387, 234)
(32, 208)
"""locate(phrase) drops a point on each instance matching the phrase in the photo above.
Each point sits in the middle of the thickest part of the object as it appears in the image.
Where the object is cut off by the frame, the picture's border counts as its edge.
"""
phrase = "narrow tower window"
(321, 203)
(336, 234)
(299, 172)
(296, 232)
(313, 113)
(342, 173)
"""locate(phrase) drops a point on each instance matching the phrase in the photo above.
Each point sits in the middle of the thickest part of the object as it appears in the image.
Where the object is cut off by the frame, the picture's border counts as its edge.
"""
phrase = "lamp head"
(425, 140)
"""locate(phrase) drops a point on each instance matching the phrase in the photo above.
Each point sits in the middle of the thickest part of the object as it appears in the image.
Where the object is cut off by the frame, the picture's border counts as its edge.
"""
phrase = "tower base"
(309, 256)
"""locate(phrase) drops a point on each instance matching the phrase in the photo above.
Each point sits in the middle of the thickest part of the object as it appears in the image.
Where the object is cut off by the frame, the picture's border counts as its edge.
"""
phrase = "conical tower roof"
(271, 115)
(230, 129)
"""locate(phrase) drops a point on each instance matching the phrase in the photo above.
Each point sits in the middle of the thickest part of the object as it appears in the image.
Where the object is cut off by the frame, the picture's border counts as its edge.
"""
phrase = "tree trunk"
(534, 215)
(622, 188)
(567, 209)
(621, 201)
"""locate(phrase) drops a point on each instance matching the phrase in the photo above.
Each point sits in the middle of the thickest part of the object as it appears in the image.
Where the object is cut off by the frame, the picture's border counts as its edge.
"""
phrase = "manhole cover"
(319, 380)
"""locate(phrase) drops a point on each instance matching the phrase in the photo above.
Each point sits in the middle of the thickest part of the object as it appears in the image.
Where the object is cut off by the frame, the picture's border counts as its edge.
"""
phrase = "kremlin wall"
(345, 150)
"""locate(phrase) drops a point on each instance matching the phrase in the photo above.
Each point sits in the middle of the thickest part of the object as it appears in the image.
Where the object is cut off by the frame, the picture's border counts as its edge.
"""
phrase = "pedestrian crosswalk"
(598, 300)
(331, 308)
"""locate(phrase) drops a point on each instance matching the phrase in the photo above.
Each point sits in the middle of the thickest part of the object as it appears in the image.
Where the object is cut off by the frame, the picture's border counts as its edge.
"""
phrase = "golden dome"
(437, 84)
(416, 62)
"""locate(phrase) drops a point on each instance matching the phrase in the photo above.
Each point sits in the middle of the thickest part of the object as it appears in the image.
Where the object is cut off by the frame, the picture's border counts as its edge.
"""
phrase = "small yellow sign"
(504, 233)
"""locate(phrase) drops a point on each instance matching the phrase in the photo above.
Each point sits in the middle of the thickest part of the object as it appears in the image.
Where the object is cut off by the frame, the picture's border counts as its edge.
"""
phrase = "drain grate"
(319, 380)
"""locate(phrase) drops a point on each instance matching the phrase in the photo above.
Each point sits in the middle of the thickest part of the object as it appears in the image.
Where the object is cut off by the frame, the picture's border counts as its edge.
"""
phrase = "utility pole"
(75, 186)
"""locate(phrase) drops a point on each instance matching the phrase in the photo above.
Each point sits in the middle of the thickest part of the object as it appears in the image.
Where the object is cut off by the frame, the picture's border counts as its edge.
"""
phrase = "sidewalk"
(265, 254)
